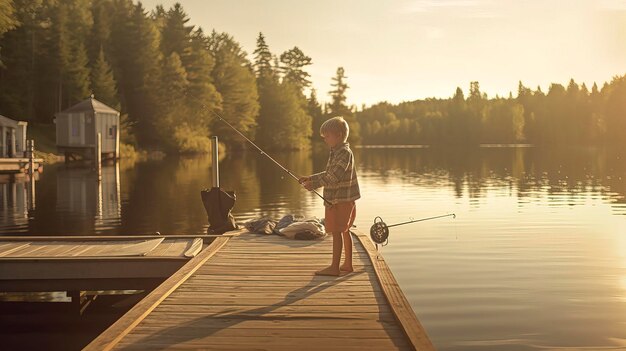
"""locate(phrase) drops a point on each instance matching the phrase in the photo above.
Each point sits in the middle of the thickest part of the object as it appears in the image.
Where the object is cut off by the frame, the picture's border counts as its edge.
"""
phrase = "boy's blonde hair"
(336, 125)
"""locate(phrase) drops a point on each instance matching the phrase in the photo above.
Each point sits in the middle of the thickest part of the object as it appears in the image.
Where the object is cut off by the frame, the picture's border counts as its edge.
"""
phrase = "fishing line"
(379, 231)
(204, 107)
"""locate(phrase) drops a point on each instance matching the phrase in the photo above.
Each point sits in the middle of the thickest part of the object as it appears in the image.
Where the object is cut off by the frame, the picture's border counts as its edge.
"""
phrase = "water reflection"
(80, 192)
(529, 172)
(164, 195)
(17, 198)
(91, 204)
(535, 259)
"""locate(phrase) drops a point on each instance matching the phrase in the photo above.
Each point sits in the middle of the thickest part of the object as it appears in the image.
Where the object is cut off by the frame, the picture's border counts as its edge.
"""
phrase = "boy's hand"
(307, 185)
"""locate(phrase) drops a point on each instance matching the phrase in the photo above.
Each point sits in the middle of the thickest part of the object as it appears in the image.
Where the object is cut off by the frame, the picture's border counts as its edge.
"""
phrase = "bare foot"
(329, 271)
(346, 269)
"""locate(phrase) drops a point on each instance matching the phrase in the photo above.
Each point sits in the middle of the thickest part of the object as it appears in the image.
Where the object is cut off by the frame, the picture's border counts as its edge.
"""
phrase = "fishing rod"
(255, 145)
(379, 232)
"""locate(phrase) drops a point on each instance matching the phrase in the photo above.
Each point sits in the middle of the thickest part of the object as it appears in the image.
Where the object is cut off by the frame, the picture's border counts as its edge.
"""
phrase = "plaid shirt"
(339, 179)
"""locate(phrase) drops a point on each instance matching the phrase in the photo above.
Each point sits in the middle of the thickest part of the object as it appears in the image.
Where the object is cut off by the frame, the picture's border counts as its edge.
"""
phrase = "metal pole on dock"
(215, 162)
(31, 173)
(31, 157)
(98, 158)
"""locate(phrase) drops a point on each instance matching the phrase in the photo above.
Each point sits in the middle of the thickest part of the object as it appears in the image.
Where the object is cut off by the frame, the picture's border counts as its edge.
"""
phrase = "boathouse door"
(9, 143)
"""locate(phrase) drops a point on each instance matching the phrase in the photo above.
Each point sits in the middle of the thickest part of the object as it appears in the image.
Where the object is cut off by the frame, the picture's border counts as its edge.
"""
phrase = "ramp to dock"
(259, 292)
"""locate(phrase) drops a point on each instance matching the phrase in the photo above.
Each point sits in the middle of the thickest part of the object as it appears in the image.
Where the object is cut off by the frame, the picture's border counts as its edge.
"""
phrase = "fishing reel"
(379, 232)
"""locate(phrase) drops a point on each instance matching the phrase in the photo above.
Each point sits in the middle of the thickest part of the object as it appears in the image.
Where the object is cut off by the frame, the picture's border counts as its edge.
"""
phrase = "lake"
(535, 259)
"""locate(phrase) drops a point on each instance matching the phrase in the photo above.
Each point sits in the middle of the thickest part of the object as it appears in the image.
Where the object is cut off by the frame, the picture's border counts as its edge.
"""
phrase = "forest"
(570, 115)
(169, 78)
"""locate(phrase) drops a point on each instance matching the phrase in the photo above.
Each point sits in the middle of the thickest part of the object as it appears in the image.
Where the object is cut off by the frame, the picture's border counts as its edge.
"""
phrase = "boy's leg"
(333, 269)
(330, 222)
(347, 247)
(347, 238)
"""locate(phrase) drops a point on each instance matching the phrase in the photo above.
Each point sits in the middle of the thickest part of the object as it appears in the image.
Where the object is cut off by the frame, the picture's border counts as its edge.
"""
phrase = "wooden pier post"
(215, 162)
(117, 143)
(98, 158)
(31, 173)
(31, 157)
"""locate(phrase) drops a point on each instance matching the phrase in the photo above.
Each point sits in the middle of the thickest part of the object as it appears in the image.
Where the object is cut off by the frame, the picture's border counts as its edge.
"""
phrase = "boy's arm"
(333, 173)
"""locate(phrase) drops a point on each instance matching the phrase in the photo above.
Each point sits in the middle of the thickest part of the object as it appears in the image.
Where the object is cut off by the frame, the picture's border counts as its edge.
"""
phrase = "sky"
(403, 50)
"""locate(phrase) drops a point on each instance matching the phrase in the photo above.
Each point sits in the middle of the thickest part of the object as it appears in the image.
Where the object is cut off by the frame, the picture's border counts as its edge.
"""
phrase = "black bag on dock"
(218, 204)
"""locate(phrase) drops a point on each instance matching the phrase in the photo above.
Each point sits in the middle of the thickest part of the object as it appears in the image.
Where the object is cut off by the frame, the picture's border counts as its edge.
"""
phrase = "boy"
(341, 189)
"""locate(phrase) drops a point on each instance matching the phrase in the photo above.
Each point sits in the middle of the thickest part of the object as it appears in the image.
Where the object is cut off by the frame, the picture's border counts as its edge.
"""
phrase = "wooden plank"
(397, 301)
(260, 292)
(250, 250)
(206, 346)
(10, 247)
(276, 278)
(51, 248)
(259, 342)
(275, 301)
(167, 247)
(274, 287)
(194, 248)
(210, 309)
(33, 285)
(227, 254)
(324, 294)
(108, 339)
(261, 314)
(117, 237)
(283, 333)
(263, 266)
(88, 268)
(209, 322)
(235, 282)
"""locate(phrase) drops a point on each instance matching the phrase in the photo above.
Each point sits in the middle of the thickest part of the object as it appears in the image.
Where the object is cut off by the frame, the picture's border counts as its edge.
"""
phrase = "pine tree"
(339, 107)
(235, 81)
(71, 21)
(159, 17)
(293, 63)
(135, 46)
(101, 12)
(203, 95)
(19, 61)
(314, 109)
(103, 84)
(271, 122)
(176, 34)
(8, 20)
(283, 122)
(174, 109)
(262, 58)
(616, 110)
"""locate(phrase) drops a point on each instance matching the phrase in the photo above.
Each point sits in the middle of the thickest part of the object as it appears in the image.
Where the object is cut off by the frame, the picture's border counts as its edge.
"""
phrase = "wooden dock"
(18, 164)
(77, 263)
(258, 292)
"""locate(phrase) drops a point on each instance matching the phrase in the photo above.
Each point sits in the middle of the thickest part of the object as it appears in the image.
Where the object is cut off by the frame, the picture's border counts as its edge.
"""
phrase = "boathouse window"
(112, 131)
(75, 123)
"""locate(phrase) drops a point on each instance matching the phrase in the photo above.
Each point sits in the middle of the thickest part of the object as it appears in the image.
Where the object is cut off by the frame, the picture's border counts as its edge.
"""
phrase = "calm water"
(536, 258)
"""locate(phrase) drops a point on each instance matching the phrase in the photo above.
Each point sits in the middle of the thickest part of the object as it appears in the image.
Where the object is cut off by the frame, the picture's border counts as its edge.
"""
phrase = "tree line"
(167, 77)
(562, 116)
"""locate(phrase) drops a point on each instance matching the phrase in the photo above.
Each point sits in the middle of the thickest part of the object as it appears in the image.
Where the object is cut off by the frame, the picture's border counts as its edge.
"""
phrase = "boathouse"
(77, 130)
(13, 134)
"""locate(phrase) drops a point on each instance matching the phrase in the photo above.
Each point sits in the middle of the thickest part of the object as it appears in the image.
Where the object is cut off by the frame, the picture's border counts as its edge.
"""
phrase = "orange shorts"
(339, 217)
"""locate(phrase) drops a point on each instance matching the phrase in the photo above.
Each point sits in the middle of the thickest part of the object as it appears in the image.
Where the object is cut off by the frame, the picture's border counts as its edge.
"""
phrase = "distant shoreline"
(426, 146)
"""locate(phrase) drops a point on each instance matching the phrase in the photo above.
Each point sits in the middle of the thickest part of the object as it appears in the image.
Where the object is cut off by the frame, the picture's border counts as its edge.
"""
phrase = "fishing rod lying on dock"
(379, 231)
(253, 144)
